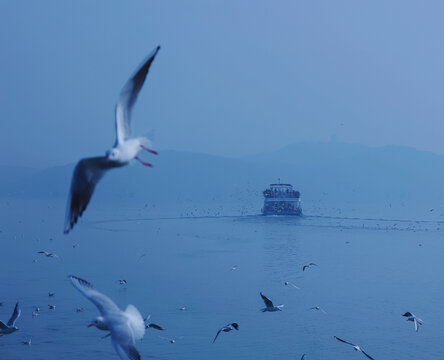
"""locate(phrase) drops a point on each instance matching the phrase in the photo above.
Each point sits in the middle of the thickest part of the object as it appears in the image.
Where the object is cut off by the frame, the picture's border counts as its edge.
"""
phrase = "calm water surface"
(369, 273)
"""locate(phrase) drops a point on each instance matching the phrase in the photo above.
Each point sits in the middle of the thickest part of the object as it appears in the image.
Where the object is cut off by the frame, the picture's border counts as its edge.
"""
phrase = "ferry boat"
(281, 199)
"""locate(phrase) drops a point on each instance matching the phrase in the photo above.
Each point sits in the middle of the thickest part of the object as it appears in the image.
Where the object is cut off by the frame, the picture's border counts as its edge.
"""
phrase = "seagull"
(89, 171)
(125, 326)
(151, 325)
(308, 266)
(26, 342)
(235, 267)
(269, 305)
(318, 308)
(122, 282)
(10, 327)
(411, 317)
(356, 347)
(47, 254)
(52, 307)
(172, 341)
(291, 284)
(226, 328)
(183, 308)
(51, 294)
(303, 357)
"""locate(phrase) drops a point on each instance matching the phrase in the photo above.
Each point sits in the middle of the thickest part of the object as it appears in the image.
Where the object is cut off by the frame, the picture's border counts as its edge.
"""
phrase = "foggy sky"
(232, 78)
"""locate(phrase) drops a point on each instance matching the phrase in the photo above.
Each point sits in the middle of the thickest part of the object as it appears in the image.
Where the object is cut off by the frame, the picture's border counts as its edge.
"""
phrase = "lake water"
(370, 271)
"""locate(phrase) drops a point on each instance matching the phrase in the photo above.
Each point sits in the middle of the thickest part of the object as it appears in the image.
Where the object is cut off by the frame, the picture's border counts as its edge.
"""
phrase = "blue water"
(370, 271)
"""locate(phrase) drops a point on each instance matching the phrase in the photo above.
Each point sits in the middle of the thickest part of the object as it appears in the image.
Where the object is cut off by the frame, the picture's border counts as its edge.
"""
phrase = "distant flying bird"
(122, 282)
(47, 254)
(291, 284)
(226, 328)
(318, 308)
(89, 171)
(151, 325)
(303, 357)
(51, 294)
(26, 342)
(269, 305)
(356, 347)
(125, 326)
(308, 266)
(235, 267)
(10, 327)
(52, 307)
(416, 320)
(172, 341)
(183, 308)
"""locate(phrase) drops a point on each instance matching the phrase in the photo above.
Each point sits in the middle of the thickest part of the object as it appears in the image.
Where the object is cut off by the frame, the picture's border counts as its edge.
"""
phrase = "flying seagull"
(308, 266)
(172, 341)
(89, 171)
(10, 327)
(356, 347)
(291, 284)
(125, 326)
(48, 254)
(226, 328)
(318, 308)
(269, 305)
(416, 320)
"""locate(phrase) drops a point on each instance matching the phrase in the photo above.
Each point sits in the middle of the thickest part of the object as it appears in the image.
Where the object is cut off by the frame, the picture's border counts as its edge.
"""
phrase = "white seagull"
(356, 347)
(416, 320)
(226, 328)
(125, 326)
(291, 284)
(10, 327)
(89, 171)
(269, 305)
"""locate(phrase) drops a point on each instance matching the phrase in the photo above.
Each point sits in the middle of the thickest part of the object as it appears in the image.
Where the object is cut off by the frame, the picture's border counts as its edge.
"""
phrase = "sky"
(232, 78)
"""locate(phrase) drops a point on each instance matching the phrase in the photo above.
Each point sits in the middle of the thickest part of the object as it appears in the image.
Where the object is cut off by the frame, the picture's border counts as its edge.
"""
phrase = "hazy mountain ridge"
(328, 172)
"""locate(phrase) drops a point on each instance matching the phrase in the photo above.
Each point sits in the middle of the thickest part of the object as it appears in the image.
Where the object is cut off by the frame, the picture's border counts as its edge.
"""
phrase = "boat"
(282, 199)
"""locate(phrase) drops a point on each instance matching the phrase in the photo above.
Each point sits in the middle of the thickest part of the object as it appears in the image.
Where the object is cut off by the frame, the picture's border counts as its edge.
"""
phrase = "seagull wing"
(346, 342)
(367, 354)
(128, 97)
(87, 174)
(15, 315)
(3, 326)
(103, 302)
(135, 321)
(267, 301)
(217, 335)
(126, 352)
(416, 324)
(154, 326)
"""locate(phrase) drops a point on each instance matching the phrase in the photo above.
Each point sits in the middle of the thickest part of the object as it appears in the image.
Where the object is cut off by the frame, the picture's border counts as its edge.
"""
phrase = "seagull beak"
(92, 324)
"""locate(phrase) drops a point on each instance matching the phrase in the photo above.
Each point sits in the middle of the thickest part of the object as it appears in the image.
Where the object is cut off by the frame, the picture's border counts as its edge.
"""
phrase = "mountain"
(328, 174)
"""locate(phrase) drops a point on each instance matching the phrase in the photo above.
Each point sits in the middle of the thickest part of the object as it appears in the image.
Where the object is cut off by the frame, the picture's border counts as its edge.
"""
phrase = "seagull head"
(99, 323)
(235, 325)
(113, 154)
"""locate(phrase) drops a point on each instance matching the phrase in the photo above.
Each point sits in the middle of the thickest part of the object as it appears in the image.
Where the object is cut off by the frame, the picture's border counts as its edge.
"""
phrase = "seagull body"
(26, 342)
(269, 305)
(51, 307)
(89, 171)
(125, 326)
(416, 320)
(9, 328)
(356, 347)
(226, 328)
(122, 282)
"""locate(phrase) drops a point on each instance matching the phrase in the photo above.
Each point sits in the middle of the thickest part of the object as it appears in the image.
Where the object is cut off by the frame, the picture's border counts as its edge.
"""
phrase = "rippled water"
(370, 271)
